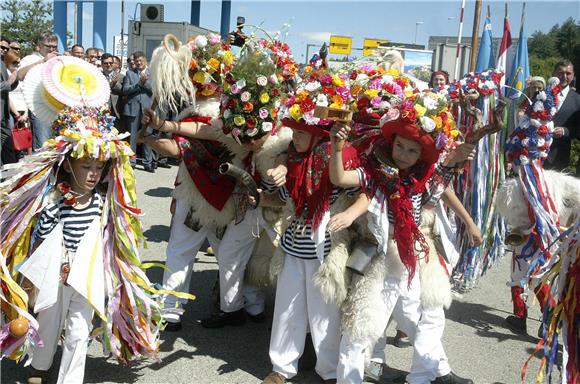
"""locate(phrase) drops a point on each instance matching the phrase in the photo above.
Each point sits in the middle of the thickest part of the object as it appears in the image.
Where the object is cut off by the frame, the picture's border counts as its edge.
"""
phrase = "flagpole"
(456, 77)
(475, 35)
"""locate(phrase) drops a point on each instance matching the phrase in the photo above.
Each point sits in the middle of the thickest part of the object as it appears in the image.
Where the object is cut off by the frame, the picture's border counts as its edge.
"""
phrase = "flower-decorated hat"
(251, 98)
(88, 132)
(531, 140)
(376, 90)
(281, 55)
(424, 118)
(473, 85)
(64, 81)
(211, 60)
(318, 90)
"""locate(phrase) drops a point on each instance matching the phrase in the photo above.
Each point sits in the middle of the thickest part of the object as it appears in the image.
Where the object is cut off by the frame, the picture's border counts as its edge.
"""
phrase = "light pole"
(417, 23)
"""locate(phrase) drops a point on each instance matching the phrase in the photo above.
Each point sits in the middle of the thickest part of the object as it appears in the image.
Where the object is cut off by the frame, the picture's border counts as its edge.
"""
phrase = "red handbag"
(21, 137)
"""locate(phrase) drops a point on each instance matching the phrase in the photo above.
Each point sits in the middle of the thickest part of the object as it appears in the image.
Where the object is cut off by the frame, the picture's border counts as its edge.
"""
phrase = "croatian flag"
(505, 55)
(485, 59)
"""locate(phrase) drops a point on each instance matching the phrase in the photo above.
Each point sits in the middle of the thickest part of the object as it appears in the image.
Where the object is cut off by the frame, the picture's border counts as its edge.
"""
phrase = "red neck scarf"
(308, 181)
(398, 188)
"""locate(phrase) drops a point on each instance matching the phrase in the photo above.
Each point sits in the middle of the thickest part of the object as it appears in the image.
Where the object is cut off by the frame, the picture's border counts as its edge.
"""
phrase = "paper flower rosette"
(281, 55)
(429, 111)
(375, 90)
(91, 133)
(531, 140)
(475, 85)
(251, 98)
(211, 60)
(318, 89)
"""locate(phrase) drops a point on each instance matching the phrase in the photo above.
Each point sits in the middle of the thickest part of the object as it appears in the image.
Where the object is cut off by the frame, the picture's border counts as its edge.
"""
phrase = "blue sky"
(312, 22)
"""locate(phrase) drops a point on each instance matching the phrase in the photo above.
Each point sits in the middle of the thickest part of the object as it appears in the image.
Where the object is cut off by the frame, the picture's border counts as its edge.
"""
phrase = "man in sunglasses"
(46, 48)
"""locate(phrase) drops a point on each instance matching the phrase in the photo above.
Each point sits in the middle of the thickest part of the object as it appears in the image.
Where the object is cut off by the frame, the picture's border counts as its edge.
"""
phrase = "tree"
(25, 21)
(542, 45)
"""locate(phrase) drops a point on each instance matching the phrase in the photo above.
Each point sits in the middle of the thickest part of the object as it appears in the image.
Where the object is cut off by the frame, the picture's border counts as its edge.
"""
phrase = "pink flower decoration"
(376, 101)
(263, 113)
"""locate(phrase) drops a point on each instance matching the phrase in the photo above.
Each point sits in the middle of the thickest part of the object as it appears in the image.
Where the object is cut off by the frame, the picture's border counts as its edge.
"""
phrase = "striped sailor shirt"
(75, 221)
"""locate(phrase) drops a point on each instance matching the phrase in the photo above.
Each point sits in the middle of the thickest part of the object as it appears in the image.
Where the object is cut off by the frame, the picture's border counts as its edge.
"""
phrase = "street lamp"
(417, 23)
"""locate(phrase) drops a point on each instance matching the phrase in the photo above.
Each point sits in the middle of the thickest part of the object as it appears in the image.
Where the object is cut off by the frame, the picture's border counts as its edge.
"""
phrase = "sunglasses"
(4, 48)
(17, 49)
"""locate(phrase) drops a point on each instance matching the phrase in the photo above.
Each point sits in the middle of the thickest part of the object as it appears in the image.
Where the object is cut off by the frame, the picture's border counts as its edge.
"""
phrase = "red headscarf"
(307, 180)
(429, 153)
(388, 179)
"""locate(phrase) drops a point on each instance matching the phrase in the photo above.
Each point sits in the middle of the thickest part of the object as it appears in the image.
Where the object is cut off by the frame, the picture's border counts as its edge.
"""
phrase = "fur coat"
(364, 302)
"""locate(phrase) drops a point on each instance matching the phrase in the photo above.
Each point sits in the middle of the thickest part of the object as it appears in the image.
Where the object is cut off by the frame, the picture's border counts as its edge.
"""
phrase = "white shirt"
(562, 96)
(30, 59)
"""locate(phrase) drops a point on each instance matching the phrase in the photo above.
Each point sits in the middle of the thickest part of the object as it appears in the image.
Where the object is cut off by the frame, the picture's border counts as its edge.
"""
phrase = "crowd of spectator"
(130, 94)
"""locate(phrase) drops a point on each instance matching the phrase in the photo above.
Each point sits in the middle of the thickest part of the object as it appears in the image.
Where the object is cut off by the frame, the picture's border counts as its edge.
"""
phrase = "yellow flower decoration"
(207, 92)
(228, 58)
(438, 122)
(199, 77)
(337, 81)
(372, 92)
(239, 120)
(355, 90)
(302, 95)
(295, 112)
(454, 133)
(420, 110)
(307, 70)
(393, 72)
(264, 98)
(213, 64)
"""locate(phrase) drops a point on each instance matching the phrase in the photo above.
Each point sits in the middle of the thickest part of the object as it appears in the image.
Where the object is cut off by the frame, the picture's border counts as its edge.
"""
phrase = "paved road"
(476, 340)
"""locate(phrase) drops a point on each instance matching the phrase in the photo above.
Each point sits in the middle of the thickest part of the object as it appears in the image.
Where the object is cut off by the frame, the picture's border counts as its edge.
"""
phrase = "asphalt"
(477, 341)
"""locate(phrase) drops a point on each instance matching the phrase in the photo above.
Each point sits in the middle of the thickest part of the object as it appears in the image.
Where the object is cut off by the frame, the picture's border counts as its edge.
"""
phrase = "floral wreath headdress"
(532, 138)
(211, 59)
(251, 98)
(319, 89)
(376, 90)
(426, 118)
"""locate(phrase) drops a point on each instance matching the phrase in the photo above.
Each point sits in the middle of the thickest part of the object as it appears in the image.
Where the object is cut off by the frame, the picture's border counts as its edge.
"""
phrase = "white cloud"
(316, 36)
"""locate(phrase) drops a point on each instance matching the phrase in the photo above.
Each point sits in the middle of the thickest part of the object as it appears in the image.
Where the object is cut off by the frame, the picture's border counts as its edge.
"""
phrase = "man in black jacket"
(567, 119)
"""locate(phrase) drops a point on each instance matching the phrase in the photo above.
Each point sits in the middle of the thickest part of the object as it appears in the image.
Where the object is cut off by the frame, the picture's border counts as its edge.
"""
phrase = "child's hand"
(475, 238)
(339, 221)
(253, 201)
(463, 152)
(150, 118)
(339, 133)
(277, 175)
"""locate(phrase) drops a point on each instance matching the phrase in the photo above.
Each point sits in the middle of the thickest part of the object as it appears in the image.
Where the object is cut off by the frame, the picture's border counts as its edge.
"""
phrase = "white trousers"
(352, 352)
(429, 358)
(425, 328)
(406, 313)
(74, 313)
(234, 253)
(299, 305)
(184, 244)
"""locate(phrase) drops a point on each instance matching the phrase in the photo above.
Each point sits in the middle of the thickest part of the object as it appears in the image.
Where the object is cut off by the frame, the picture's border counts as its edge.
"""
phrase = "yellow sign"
(340, 45)
(370, 45)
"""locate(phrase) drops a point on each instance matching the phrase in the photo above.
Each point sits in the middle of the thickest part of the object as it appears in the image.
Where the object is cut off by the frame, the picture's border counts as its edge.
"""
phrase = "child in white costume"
(84, 259)
(400, 177)
(76, 226)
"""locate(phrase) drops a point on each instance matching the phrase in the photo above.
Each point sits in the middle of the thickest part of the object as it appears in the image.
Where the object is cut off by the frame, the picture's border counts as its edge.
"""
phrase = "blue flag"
(520, 71)
(485, 59)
